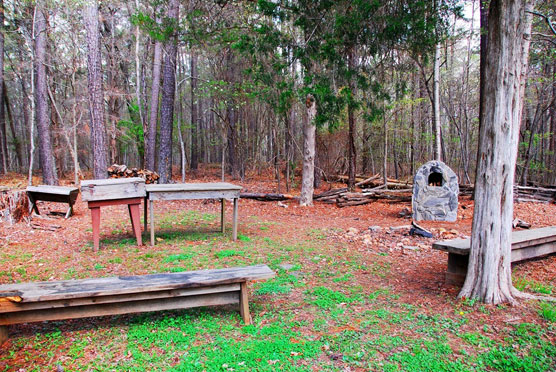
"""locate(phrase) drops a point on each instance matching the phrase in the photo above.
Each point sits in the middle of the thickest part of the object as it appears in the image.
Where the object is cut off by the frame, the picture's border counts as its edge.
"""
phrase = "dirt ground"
(415, 272)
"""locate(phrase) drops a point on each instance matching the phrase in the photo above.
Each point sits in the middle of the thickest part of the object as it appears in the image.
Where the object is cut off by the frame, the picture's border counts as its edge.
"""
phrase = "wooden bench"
(70, 299)
(526, 244)
(58, 194)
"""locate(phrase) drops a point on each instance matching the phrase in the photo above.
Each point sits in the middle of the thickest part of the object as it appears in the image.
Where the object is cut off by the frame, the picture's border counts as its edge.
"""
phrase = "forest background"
(231, 82)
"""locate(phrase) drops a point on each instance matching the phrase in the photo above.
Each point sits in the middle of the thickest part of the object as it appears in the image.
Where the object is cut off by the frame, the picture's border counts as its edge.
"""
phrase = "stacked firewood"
(122, 171)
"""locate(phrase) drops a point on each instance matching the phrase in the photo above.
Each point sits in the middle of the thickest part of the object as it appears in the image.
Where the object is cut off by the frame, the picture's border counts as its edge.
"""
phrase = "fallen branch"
(266, 197)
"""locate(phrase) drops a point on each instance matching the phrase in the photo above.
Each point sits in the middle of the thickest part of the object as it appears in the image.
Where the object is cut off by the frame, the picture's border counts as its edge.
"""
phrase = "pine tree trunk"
(352, 160)
(96, 94)
(309, 135)
(150, 137)
(489, 271)
(194, 113)
(3, 134)
(168, 95)
(46, 158)
(436, 103)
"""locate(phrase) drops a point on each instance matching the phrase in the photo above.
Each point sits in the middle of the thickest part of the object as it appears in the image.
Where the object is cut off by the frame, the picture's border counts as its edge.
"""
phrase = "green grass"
(529, 285)
(548, 311)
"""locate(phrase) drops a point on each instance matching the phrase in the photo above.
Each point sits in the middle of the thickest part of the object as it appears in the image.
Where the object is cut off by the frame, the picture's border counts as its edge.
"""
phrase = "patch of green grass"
(115, 260)
(243, 238)
(278, 285)
(326, 298)
(524, 284)
(229, 253)
(178, 257)
(344, 278)
(548, 311)
(98, 266)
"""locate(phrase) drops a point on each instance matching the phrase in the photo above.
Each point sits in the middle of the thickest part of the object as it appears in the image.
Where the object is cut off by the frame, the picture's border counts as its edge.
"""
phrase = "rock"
(375, 228)
(280, 204)
(399, 228)
(404, 212)
(520, 223)
(352, 231)
(286, 266)
(410, 247)
(298, 274)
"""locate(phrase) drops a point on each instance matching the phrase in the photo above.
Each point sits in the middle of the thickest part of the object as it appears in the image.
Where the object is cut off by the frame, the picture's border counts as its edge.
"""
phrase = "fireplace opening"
(436, 179)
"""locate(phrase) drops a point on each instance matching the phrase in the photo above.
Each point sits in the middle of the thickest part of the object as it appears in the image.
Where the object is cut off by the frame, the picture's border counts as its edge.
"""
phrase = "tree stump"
(14, 206)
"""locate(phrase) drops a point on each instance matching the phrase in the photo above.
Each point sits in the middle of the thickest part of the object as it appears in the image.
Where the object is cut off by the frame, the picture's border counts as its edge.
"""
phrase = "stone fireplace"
(435, 193)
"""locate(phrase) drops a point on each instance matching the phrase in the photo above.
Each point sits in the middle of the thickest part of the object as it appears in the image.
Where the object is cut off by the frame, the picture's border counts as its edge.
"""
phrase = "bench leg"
(234, 222)
(135, 221)
(457, 268)
(3, 334)
(222, 209)
(145, 213)
(33, 206)
(244, 304)
(95, 216)
(69, 213)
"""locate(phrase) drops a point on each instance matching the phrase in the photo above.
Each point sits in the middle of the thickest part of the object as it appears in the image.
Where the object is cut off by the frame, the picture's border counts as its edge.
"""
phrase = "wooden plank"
(9, 307)
(214, 186)
(190, 195)
(222, 215)
(120, 308)
(234, 222)
(3, 334)
(57, 190)
(113, 188)
(59, 290)
(244, 304)
(520, 239)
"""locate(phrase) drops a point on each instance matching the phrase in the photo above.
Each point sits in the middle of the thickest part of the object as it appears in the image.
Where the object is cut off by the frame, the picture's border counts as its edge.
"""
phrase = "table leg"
(222, 212)
(33, 205)
(234, 228)
(151, 205)
(145, 214)
(69, 212)
(95, 216)
(135, 221)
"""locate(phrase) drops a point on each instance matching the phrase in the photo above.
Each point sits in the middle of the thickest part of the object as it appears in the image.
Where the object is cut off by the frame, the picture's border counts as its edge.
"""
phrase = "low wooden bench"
(526, 244)
(58, 194)
(70, 299)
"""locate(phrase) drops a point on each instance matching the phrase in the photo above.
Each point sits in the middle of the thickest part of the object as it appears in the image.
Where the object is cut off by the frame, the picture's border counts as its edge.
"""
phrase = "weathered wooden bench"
(58, 194)
(70, 299)
(526, 244)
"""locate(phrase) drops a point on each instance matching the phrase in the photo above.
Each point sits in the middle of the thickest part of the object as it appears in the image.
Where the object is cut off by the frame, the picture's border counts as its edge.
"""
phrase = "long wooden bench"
(526, 244)
(58, 194)
(70, 299)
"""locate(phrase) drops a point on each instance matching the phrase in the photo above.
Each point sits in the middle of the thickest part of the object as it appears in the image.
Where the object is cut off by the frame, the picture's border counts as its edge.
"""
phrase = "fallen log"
(266, 197)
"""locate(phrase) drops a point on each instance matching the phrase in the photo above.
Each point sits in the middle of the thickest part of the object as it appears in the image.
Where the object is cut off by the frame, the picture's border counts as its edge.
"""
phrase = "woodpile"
(14, 205)
(122, 171)
(344, 198)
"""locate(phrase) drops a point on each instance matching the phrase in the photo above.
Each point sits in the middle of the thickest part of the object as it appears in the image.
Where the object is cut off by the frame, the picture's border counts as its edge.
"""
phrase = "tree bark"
(309, 134)
(46, 158)
(489, 271)
(436, 103)
(194, 113)
(352, 160)
(168, 95)
(96, 94)
(3, 134)
(150, 134)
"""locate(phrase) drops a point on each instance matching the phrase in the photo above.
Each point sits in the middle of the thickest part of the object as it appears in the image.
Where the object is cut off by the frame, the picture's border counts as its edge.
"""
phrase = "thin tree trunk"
(436, 103)
(489, 271)
(16, 140)
(168, 95)
(309, 135)
(3, 134)
(150, 134)
(194, 113)
(96, 95)
(46, 158)
(138, 95)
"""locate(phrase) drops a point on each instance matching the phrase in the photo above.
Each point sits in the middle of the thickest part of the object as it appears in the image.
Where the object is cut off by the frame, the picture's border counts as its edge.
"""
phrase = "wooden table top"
(192, 187)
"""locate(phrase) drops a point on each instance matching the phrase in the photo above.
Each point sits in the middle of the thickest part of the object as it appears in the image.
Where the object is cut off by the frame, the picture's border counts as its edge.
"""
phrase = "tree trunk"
(309, 134)
(96, 94)
(150, 134)
(16, 140)
(352, 160)
(46, 158)
(168, 95)
(194, 113)
(436, 103)
(489, 271)
(3, 134)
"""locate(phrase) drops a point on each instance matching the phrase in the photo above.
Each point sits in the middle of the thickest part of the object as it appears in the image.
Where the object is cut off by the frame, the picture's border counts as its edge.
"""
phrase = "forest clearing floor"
(346, 297)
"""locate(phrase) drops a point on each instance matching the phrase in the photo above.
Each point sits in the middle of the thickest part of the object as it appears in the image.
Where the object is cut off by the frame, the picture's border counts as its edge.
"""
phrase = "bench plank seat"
(58, 194)
(69, 299)
(526, 244)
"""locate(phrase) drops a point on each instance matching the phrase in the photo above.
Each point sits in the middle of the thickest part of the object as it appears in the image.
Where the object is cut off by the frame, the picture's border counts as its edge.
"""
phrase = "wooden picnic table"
(189, 191)
(58, 194)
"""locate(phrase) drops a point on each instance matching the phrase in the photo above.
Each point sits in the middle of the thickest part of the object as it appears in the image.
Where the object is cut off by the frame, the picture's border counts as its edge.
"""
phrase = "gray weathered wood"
(190, 191)
(120, 308)
(58, 194)
(56, 190)
(119, 285)
(113, 188)
(520, 239)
